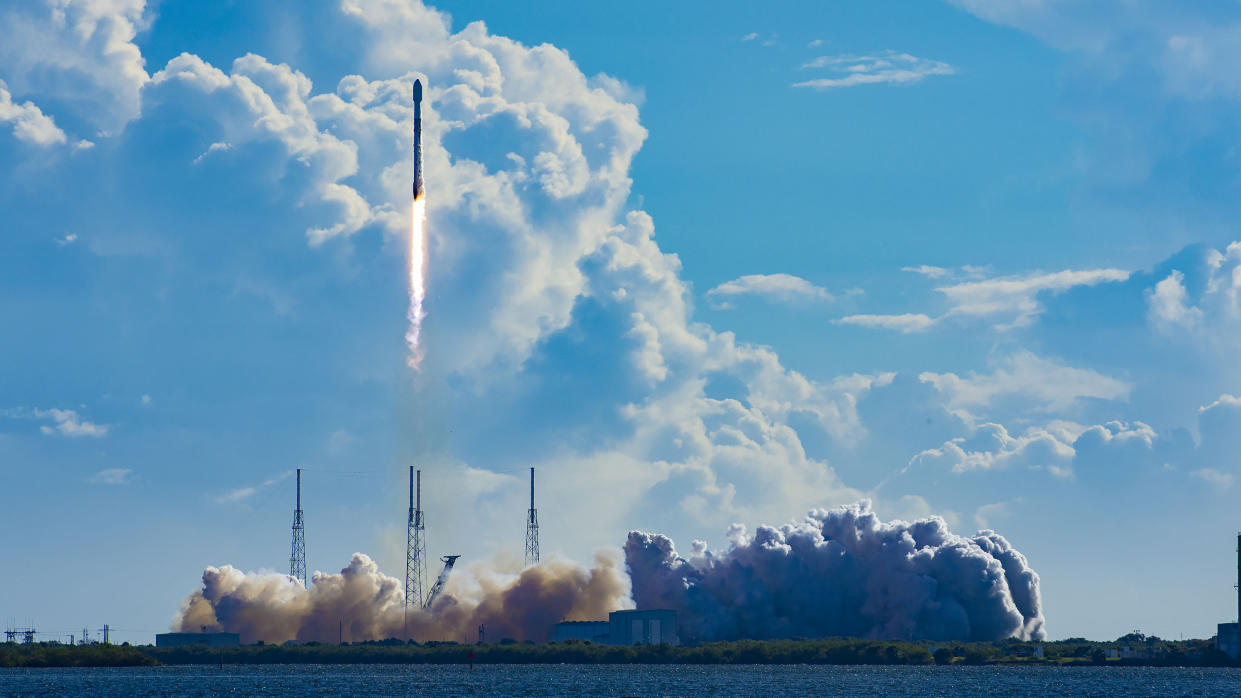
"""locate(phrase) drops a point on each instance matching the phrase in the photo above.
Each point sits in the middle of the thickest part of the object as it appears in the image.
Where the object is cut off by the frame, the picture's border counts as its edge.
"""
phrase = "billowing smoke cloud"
(842, 572)
(362, 603)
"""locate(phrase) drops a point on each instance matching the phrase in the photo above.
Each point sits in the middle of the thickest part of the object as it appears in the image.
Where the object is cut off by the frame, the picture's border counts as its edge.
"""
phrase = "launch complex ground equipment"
(449, 561)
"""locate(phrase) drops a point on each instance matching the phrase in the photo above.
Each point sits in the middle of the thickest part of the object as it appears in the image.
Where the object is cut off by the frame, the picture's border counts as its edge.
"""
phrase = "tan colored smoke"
(362, 603)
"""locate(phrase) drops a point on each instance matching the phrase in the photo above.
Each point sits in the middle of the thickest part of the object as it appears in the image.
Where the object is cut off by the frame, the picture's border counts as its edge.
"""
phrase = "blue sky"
(699, 264)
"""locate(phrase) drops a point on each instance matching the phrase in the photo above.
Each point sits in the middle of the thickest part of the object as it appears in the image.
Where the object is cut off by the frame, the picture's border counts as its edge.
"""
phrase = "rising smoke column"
(362, 603)
(842, 572)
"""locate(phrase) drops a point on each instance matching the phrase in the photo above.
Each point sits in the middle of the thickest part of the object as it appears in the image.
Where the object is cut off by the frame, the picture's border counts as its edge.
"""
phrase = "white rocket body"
(419, 190)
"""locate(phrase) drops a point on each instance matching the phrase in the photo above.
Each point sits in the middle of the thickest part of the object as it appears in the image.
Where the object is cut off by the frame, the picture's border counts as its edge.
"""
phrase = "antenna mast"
(297, 561)
(532, 528)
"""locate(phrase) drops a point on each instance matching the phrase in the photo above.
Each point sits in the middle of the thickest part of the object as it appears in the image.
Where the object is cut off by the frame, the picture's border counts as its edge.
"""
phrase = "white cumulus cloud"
(1006, 301)
(29, 123)
(241, 494)
(1045, 384)
(66, 423)
(905, 323)
(81, 52)
(112, 476)
(888, 67)
(778, 287)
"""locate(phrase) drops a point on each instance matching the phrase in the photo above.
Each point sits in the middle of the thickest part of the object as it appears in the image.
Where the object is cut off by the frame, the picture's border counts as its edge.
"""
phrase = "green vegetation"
(1129, 650)
(830, 651)
(57, 655)
(1141, 650)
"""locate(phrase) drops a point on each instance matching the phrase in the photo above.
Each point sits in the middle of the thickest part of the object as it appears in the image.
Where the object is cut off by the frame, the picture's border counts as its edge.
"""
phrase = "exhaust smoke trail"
(417, 279)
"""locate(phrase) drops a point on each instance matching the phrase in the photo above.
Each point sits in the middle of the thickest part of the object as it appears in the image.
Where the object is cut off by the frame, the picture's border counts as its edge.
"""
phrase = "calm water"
(626, 680)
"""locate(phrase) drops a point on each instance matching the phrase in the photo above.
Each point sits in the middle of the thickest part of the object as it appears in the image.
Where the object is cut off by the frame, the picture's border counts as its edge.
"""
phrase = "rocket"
(419, 190)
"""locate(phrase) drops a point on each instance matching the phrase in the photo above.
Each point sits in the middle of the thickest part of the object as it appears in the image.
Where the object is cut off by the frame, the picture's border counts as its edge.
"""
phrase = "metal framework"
(297, 560)
(449, 561)
(415, 544)
(532, 528)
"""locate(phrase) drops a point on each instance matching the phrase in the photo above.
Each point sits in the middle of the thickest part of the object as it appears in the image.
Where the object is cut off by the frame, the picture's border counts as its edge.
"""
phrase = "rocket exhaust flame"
(417, 242)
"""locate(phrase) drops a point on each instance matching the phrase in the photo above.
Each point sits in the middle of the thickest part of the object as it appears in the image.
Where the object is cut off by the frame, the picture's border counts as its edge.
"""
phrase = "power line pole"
(532, 528)
(297, 561)
(415, 547)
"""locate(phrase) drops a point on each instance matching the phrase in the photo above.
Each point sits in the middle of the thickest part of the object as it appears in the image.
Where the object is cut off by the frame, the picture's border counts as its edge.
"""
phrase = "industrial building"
(651, 627)
(208, 639)
(596, 631)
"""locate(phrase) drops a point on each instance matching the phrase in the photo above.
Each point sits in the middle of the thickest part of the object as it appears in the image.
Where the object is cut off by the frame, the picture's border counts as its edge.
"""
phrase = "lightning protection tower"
(297, 561)
(532, 528)
(415, 545)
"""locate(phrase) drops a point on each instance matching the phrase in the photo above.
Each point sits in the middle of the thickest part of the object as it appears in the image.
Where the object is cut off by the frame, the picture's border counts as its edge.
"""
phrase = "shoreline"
(829, 651)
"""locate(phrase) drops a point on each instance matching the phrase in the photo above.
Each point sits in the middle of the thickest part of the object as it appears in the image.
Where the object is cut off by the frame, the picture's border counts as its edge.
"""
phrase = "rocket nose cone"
(417, 90)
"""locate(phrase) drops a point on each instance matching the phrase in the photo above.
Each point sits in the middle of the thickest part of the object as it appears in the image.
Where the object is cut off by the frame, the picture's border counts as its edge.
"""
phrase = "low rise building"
(596, 631)
(655, 627)
(208, 639)
(646, 627)
(1228, 639)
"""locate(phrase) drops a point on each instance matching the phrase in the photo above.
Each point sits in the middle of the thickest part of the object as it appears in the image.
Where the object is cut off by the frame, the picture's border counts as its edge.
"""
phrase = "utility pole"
(532, 528)
(297, 561)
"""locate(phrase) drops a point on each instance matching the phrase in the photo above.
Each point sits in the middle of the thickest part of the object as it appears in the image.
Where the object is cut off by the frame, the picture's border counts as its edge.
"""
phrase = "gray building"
(593, 630)
(1228, 639)
(208, 639)
(654, 627)
(643, 627)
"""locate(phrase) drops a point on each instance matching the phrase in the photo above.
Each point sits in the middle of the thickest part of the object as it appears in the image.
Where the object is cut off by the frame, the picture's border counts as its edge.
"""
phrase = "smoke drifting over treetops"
(362, 603)
(840, 572)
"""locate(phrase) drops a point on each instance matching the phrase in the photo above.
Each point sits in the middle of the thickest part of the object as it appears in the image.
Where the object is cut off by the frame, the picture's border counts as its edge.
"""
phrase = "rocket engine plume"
(417, 280)
(417, 242)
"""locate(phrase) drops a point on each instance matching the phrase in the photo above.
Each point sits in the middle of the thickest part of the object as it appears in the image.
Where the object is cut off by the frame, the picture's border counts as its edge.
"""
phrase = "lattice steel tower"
(297, 561)
(415, 545)
(532, 528)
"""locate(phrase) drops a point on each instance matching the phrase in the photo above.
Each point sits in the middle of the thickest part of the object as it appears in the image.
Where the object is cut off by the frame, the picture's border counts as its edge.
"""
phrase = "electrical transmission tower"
(415, 545)
(297, 561)
(532, 528)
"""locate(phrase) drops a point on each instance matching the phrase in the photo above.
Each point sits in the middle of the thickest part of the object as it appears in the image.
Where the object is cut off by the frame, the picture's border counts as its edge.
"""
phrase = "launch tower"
(297, 561)
(415, 545)
(532, 528)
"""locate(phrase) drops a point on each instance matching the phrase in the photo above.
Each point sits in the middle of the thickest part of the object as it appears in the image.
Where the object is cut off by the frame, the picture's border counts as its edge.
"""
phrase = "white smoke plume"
(842, 572)
(362, 603)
